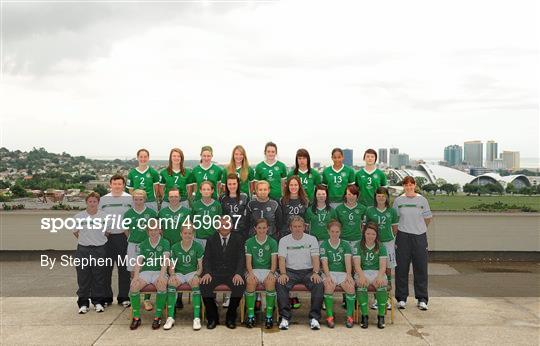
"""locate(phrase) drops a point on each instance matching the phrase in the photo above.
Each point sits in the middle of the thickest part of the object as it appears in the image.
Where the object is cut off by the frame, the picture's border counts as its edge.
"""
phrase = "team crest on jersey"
(268, 209)
(340, 250)
(276, 168)
(211, 171)
(267, 248)
(213, 209)
(148, 175)
(357, 211)
(159, 248)
(343, 174)
(375, 176)
(191, 253)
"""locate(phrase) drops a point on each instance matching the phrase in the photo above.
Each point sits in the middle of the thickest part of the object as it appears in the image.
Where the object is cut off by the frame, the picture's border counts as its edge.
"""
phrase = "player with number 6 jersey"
(351, 215)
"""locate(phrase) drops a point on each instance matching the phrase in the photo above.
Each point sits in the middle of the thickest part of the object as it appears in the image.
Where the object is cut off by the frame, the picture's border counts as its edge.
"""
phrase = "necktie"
(224, 244)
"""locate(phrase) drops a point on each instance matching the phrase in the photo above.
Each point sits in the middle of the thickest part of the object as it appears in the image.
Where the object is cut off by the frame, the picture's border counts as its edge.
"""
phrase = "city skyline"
(224, 74)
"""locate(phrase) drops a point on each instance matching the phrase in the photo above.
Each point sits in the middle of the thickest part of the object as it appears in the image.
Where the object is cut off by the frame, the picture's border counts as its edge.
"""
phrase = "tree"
(18, 191)
(526, 191)
(440, 182)
(420, 181)
(102, 190)
(448, 188)
(510, 188)
(430, 188)
(495, 188)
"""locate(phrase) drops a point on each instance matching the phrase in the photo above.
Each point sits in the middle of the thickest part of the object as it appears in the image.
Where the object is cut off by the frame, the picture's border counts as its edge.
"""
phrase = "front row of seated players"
(223, 262)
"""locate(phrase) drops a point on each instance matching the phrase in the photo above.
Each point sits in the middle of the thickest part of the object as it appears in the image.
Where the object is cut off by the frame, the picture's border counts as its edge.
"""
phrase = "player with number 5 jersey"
(272, 171)
(337, 177)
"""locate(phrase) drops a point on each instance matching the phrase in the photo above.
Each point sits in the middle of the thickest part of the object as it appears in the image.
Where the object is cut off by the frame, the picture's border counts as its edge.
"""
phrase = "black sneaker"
(364, 321)
(269, 323)
(250, 322)
(380, 322)
(135, 323)
(156, 323)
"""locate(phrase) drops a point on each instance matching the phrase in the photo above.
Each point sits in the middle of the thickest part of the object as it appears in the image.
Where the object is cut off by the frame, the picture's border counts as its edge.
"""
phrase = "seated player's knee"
(194, 282)
(251, 280)
(270, 283)
(329, 286)
(348, 287)
(136, 285)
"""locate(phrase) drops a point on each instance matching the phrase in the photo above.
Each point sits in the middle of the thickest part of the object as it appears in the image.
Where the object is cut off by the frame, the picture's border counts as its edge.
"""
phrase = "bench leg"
(242, 305)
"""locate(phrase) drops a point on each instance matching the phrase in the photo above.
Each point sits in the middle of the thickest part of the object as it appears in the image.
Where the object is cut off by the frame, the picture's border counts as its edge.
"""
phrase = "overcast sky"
(103, 80)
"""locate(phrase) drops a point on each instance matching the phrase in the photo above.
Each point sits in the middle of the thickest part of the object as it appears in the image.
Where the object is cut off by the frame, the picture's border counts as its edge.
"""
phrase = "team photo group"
(260, 232)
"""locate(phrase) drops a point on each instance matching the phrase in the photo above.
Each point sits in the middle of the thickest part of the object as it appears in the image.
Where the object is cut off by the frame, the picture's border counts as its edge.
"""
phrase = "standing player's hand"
(316, 278)
(283, 279)
(237, 280)
(206, 279)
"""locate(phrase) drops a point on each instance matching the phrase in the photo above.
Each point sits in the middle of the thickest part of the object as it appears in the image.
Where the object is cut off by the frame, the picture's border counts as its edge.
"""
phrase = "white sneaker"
(401, 304)
(422, 306)
(99, 308)
(83, 309)
(284, 325)
(126, 303)
(226, 302)
(169, 323)
(374, 306)
(314, 324)
(196, 323)
(388, 306)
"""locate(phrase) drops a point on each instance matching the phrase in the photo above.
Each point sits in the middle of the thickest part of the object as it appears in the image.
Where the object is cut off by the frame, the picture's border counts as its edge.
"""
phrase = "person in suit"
(224, 262)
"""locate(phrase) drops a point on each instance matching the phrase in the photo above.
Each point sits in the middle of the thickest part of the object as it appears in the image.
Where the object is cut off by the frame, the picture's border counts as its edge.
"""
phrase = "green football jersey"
(368, 183)
(351, 221)
(385, 219)
(335, 255)
(176, 179)
(244, 185)
(212, 174)
(261, 253)
(273, 175)
(203, 217)
(319, 220)
(144, 181)
(369, 259)
(186, 260)
(136, 234)
(171, 222)
(153, 255)
(337, 182)
(310, 179)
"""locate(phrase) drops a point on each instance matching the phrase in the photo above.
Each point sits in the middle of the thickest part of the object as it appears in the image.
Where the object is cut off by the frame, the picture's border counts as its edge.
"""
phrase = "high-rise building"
(403, 159)
(491, 153)
(348, 157)
(383, 155)
(473, 153)
(453, 155)
(393, 159)
(511, 160)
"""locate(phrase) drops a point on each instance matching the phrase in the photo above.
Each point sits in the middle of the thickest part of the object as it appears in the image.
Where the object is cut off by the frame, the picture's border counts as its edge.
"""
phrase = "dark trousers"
(91, 279)
(209, 297)
(117, 246)
(411, 248)
(300, 277)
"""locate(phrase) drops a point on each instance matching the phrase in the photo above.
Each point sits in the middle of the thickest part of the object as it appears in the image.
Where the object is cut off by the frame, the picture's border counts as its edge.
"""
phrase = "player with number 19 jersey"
(273, 175)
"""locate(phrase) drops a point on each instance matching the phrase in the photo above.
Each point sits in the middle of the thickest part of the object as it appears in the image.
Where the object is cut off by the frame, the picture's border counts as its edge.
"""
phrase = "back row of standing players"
(338, 193)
